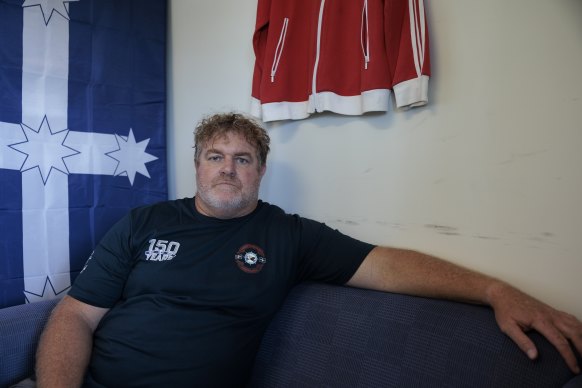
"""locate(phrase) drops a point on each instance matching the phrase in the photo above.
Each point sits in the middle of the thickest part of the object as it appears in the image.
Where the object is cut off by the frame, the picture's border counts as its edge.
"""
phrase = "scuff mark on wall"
(543, 237)
(443, 229)
(515, 156)
(393, 225)
(482, 237)
(347, 222)
(532, 240)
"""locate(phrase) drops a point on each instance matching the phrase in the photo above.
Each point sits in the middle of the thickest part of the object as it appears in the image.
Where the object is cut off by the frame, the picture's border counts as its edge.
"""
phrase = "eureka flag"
(82, 132)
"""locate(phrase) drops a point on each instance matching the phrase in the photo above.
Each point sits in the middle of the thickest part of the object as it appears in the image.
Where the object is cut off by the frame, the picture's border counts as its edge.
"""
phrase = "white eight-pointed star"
(44, 150)
(48, 7)
(131, 156)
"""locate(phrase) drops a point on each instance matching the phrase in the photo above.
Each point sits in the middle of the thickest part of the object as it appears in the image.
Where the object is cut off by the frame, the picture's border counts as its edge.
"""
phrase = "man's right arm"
(65, 345)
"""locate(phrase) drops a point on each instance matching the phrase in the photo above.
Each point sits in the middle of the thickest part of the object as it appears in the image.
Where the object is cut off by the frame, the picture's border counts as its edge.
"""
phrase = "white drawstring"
(317, 52)
(279, 49)
(365, 50)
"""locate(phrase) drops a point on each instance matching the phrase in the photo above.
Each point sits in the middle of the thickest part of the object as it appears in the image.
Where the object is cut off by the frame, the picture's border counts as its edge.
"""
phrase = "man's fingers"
(522, 340)
(561, 343)
(553, 336)
(570, 326)
(565, 350)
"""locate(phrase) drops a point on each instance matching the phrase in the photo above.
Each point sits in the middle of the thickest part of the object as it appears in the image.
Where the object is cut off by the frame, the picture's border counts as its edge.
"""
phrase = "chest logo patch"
(162, 250)
(250, 258)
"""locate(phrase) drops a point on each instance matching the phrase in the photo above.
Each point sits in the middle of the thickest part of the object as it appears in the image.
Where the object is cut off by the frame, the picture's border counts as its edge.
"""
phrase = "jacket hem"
(369, 101)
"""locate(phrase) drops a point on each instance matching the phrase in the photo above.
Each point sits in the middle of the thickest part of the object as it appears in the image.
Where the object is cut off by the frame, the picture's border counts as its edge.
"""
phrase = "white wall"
(487, 175)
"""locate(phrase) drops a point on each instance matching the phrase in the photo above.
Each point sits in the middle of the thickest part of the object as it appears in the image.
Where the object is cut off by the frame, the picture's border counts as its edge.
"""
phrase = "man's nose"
(228, 167)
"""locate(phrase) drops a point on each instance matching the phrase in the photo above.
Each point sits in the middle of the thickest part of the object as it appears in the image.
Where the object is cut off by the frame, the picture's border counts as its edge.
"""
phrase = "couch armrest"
(330, 336)
(20, 328)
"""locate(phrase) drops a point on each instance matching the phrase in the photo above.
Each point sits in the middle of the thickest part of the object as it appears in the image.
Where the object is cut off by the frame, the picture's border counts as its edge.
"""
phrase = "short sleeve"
(102, 280)
(327, 255)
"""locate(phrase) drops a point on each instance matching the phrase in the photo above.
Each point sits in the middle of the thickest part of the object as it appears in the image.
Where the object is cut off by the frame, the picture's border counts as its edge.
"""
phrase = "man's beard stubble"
(233, 203)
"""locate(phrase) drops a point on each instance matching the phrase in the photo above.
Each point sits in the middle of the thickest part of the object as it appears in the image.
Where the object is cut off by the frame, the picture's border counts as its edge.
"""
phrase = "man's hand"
(516, 313)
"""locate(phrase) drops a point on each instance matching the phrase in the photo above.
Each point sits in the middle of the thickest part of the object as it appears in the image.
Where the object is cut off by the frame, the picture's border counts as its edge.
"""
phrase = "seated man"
(179, 293)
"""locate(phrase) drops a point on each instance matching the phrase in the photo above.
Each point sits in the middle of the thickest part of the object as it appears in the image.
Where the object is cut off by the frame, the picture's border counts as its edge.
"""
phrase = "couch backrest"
(329, 336)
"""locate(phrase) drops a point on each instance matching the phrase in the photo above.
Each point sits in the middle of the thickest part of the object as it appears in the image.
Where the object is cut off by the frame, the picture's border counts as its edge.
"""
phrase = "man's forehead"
(231, 138)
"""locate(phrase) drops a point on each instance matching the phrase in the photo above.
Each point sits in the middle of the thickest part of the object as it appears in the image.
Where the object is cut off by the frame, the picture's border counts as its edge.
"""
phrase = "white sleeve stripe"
(417, 32)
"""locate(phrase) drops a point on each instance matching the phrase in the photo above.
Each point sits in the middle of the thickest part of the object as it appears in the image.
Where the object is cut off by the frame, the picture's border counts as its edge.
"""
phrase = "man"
(179, 293)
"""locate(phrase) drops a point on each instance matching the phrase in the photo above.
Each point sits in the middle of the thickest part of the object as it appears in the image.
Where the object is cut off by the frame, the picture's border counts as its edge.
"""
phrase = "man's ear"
(262, 170)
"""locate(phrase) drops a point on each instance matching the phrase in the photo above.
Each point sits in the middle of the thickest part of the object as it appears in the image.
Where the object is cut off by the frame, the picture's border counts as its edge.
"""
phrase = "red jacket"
(344, 56)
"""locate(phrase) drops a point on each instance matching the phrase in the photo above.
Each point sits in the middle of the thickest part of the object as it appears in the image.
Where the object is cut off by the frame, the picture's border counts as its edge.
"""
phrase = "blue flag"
(82, 132)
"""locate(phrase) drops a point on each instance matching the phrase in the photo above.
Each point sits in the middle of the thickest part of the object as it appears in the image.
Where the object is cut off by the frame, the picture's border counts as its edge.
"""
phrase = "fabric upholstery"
(329, 336)
(20, 328)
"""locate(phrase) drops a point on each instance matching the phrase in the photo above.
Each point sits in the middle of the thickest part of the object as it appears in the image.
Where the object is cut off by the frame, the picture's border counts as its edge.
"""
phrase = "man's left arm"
(414, 273)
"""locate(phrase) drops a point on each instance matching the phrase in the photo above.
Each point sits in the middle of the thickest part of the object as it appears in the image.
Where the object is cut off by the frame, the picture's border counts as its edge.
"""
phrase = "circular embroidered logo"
(250, 258)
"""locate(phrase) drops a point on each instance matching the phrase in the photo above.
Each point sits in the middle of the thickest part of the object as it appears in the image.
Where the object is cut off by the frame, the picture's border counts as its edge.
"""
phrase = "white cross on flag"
(82, 132)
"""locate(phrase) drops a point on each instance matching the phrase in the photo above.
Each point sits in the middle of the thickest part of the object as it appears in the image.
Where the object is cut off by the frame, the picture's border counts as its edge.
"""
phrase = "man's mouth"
(228, 183)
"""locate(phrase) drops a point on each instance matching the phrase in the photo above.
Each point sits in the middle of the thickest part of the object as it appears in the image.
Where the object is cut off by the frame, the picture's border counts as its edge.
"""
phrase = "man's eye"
(243, 160)
(214, 158)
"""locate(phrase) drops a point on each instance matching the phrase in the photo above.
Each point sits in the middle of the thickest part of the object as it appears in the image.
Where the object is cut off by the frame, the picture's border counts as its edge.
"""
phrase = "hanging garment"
(343, 56)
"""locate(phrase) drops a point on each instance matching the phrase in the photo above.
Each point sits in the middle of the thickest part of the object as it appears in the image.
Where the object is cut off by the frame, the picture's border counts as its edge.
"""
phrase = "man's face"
(227, 177)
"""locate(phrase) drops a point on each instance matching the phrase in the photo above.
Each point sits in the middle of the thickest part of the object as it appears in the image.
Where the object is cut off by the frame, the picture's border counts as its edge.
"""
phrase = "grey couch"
(330, 336)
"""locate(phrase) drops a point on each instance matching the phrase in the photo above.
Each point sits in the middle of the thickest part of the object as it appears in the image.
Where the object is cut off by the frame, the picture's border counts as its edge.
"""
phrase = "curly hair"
(220, 124)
